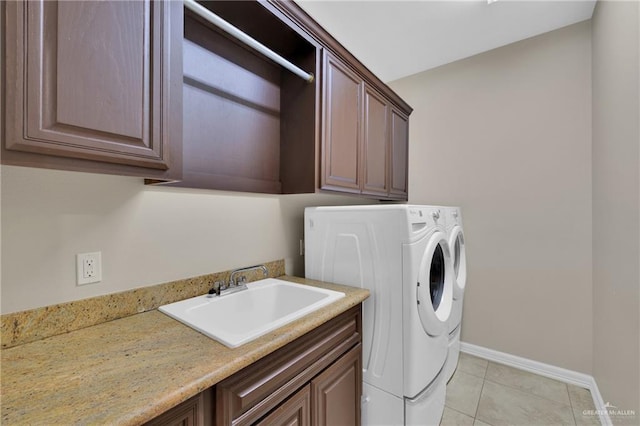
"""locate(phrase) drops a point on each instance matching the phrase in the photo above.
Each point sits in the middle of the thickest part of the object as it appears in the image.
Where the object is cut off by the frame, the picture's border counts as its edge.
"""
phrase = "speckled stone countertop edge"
(150, 356)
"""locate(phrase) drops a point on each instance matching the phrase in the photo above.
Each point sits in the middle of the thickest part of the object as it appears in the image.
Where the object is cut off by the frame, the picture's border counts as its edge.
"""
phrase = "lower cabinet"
(327, 360)
(331, 398)
(196, 411)
(336, 391)
(315, 380)
(295, 411)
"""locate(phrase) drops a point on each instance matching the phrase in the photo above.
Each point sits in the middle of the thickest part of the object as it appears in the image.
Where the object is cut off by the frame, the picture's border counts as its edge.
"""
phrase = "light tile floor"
(483, 393)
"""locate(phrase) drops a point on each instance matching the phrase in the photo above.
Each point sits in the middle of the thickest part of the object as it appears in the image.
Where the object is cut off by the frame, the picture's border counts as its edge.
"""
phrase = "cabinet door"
(341, 127)
(336, 392)
(295, 411)
(193, 412)
(399, 148)
(375, 143)
(94, 80)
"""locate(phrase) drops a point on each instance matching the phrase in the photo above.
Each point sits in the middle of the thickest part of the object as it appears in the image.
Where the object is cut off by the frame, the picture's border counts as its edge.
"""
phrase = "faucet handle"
(217, 287)
(233, 282)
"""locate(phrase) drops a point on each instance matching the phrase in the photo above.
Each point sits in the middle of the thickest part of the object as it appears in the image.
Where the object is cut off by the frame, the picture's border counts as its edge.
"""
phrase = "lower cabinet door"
(295, 411)
(336, 392)
(196, 411)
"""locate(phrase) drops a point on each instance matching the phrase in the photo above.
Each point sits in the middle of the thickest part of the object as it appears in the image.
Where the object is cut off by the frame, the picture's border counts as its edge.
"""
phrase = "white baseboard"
(546, 370)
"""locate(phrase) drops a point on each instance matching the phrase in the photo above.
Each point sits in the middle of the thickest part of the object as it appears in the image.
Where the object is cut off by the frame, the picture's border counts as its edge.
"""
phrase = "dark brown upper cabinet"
(341, 136)
(399, 152)
(375, 143)
(364, 137)
(94, 86)
(146, 89)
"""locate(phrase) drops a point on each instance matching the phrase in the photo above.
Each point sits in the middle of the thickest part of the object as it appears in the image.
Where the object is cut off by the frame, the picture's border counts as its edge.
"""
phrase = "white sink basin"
(238, 318)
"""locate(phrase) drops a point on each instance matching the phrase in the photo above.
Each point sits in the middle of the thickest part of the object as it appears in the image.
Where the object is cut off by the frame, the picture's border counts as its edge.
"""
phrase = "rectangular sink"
(241, 317)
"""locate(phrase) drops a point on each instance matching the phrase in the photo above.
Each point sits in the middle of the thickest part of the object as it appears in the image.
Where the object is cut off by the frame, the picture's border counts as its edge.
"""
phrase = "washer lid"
(459, 257)
(434, 289)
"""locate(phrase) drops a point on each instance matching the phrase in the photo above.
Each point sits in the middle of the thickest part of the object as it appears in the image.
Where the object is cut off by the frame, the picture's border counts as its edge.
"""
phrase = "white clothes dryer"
(455, 236)
(400, 253)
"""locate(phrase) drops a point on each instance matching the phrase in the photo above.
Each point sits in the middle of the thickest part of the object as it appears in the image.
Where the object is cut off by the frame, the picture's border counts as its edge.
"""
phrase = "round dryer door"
(435, 285)
(458, 254)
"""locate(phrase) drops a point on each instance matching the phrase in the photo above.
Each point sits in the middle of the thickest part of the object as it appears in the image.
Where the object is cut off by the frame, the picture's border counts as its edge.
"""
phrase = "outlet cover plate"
(89, 268)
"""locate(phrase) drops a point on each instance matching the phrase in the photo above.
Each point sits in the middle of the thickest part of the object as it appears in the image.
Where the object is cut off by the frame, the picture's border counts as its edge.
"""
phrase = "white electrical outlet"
(89, 268)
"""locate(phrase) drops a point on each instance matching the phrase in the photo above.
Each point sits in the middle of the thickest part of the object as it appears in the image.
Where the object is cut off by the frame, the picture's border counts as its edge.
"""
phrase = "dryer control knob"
(435, 215)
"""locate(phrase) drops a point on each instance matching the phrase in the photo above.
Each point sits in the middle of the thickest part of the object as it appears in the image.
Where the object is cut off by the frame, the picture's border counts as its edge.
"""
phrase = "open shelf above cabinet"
(251, 125)
(248, 123)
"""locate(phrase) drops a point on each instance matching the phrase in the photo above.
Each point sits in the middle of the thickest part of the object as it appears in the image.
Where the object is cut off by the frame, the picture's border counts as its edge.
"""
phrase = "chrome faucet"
(235, 284)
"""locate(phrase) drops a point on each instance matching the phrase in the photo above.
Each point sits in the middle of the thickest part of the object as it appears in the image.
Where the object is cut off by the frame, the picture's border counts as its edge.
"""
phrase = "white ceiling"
(396, 38)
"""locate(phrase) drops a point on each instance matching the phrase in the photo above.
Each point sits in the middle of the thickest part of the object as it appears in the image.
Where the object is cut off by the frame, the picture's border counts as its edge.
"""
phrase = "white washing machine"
(400, 253)
(455, 236)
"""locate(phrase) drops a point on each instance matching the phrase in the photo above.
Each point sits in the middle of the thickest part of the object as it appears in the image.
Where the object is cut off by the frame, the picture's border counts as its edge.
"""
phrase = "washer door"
(435, 285)
(459, 257)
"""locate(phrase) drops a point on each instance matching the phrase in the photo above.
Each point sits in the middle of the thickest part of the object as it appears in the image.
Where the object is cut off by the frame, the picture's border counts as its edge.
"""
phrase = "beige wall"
(616, 204)
(507, 136)
(147, 235)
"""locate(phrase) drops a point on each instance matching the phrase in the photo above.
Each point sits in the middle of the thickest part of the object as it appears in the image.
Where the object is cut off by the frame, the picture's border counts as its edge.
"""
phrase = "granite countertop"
(130, 370)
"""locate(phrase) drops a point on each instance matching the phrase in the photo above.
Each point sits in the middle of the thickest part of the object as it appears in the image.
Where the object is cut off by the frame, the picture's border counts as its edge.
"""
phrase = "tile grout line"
(459, 412)
(573, 413)
(484, 379)
(475, 414)
(531, 393)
